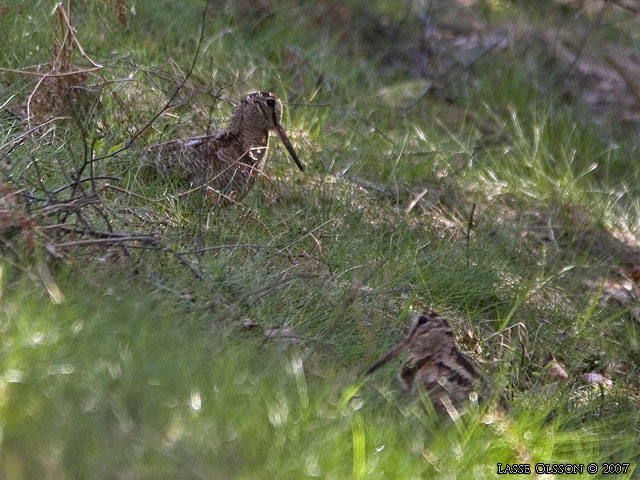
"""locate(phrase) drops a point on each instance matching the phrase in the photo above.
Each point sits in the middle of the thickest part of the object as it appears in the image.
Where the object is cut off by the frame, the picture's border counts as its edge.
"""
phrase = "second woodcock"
(226, 164)
(435, 364)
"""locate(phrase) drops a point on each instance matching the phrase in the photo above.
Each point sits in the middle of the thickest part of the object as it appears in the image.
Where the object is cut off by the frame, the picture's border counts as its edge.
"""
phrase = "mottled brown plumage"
(435, 364)
(226, 163)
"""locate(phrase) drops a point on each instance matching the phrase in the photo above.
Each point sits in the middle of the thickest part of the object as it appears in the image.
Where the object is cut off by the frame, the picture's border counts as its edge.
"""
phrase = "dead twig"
(82, 180)
(115, 188)
(170, 101)
(105, 241)
(390, 191)
(469, 227)
(416, 199)
(74, 205)
(24, 135)
(624, 6)
(586, 37)
(498, 40)
(94, 233)
(64, 41)
(195, 271)
(224, 247)
(307, 233)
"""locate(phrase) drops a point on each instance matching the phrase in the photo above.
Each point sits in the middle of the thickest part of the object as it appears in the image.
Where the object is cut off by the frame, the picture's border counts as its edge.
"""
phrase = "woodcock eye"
(422, 320)
(271, 103)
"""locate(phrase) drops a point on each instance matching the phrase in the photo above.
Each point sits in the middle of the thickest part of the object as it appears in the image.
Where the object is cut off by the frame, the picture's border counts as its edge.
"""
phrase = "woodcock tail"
(435, 364)
(226, 163)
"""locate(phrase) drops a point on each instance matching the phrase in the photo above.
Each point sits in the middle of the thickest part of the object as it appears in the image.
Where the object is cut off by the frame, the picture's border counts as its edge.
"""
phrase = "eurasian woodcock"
(435, 364)
(226, 163)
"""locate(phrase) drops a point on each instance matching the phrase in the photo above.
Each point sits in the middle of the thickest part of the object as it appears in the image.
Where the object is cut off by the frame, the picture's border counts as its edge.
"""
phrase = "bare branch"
(88, 179)
(586, 37)
(170, 101)
(224, 247)
(105, 241)
(469, 227)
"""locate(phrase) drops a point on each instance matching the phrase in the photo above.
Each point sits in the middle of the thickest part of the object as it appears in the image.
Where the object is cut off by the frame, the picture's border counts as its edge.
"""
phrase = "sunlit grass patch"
(142, 392)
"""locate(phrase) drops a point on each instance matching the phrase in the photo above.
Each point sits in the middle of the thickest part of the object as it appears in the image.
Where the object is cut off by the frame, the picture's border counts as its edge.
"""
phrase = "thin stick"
(31, 130)
(586, 37)
(470, 223)
(51, 74)
(90, 161)
(74, 39)
(469, 227)
(175, 94)
(88, 179)
(33, 92)
(484, 52)
(252, 245)
(93, 232)
(105, 241)
(222, 247)
(108, 186)
(196, 272)
(289, 243)
(415, 200)
(629, 8)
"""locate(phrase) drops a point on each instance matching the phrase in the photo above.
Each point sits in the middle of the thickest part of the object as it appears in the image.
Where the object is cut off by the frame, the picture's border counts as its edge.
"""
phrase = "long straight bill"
(288, 146)
(389, 356)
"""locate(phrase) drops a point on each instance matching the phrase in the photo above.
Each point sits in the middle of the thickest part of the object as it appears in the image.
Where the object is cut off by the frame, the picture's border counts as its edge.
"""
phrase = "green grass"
(146, 368)
(110, 384)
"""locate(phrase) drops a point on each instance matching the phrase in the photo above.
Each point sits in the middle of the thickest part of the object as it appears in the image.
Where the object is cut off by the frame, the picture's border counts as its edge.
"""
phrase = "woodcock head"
(434, 362)
(263, 109)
